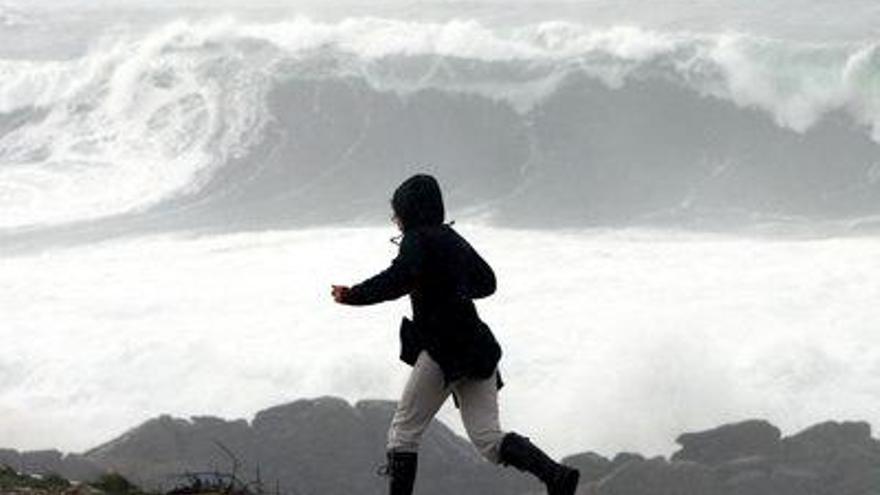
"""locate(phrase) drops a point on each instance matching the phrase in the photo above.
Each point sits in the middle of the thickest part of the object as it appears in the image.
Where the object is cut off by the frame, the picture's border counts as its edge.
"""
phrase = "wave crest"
(128, 126)
(232, 110)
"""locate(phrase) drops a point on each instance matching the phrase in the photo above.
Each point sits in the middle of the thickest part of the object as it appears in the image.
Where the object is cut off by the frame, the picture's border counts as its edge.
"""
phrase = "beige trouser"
(425, 392)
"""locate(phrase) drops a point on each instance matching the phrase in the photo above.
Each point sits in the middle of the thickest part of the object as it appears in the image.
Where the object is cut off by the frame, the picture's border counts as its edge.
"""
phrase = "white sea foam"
(127, 126)
(782, 77)
(613, 340)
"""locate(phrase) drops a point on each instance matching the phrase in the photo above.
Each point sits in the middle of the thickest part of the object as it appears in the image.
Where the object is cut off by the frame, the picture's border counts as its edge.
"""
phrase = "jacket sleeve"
(395, 281)
(480, 277)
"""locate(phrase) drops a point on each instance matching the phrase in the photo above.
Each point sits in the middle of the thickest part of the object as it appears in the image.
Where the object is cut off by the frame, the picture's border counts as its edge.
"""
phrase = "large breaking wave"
(233, 125)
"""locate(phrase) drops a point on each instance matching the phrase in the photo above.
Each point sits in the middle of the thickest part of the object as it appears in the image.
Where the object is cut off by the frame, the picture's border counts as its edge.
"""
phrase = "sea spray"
(229, 115)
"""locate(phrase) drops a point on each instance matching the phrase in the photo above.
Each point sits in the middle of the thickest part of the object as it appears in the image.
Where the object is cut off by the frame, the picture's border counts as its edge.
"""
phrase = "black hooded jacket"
(442, 274)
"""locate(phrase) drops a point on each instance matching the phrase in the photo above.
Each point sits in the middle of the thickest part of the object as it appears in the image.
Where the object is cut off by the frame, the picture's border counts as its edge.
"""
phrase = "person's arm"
(395, 281)
(480, 277)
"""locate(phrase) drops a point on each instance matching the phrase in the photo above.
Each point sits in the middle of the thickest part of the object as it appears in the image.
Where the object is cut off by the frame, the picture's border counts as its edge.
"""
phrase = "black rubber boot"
(519, 452)
(401, 470)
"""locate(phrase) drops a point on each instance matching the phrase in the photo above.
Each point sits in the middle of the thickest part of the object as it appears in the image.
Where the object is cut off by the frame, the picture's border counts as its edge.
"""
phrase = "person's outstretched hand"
(338, 292)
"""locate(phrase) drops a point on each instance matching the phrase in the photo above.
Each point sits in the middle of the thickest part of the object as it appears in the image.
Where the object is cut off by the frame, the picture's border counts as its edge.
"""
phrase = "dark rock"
(151, 455)
(729, 442)
(77, 467)
(843, 455)
(659, 477)
(823, 440)
(330, 447)
(71, 466)
(624, 458)
(591, 465)
(850, 469)
(324, 446)
(11, 458)
(784, 481)
(862, 482)
(41, 462)
(751, 464)
(746, 482)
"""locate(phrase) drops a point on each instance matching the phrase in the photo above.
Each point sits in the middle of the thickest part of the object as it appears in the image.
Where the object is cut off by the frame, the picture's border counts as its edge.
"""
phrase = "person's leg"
(517, 451)
(479, 411)
(423, 394)
(478, 400)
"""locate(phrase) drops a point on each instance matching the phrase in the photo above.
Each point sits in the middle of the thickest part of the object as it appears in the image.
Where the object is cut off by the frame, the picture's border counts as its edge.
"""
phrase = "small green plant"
(55, 481)
(115, 484)
(11, 480)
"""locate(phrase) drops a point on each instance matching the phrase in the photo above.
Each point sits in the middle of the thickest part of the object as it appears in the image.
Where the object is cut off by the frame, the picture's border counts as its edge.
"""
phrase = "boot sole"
(569, 483)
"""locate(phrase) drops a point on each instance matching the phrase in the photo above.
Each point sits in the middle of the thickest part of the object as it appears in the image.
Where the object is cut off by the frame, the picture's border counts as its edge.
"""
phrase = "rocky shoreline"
(747, 458)
(327, 446)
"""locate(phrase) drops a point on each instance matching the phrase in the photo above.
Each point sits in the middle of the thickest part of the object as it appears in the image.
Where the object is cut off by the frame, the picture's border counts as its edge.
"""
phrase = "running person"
(450, 349)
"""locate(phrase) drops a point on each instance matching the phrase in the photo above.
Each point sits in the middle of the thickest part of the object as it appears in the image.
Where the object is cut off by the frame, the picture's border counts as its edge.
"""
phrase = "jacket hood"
(417, 202)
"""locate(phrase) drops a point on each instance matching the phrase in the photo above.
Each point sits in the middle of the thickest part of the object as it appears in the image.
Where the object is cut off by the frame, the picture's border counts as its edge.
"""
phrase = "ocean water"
(613, 340)
(680, 200)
